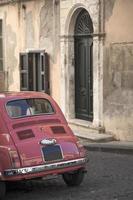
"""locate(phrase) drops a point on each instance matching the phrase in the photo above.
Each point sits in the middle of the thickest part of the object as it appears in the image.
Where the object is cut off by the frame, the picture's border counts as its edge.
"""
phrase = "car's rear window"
(29, 107)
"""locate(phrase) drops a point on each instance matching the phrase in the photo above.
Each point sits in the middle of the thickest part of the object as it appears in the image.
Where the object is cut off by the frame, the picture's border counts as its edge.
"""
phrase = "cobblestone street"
(109, 177)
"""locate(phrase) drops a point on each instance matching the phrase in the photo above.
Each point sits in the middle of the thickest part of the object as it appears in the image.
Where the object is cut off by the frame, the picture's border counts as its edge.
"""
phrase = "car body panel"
(22, 139)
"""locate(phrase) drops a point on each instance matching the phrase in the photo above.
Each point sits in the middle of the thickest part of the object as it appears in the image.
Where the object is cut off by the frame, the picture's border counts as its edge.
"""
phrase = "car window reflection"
(29, 107)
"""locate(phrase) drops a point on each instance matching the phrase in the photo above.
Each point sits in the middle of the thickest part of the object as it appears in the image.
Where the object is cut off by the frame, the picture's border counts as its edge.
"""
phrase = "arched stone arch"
(72, 16)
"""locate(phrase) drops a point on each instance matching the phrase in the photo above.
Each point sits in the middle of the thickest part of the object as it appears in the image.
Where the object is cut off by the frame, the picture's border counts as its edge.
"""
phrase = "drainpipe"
(54, 1)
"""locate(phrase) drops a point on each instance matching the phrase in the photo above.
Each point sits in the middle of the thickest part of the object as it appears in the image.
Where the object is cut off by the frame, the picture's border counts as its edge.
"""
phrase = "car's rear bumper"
(45, 167)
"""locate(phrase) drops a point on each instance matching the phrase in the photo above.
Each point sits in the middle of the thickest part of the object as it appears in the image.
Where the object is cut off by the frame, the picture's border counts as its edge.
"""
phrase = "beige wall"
(10, 45)
(31, 26)
(119, 26)
(39, 25)
(118, 69)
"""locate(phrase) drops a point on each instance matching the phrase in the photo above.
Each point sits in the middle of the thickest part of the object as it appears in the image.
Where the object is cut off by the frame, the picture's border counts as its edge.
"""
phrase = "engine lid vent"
(22, 135)
(58, 129)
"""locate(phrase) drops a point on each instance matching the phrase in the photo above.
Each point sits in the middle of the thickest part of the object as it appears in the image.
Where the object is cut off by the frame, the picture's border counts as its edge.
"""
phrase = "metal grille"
(83, 24)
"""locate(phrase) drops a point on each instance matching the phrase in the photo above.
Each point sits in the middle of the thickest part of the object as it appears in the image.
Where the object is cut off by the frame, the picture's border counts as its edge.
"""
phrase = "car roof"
(10, 95)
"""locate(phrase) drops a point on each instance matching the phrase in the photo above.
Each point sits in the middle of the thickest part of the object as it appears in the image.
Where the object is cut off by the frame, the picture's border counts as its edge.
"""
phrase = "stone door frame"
(67, 68)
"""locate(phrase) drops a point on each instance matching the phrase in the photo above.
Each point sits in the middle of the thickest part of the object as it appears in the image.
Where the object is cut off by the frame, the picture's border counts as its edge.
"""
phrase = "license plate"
(52, 153)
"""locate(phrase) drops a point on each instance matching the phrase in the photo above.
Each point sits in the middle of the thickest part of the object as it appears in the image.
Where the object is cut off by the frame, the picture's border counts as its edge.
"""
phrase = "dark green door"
(83, 76)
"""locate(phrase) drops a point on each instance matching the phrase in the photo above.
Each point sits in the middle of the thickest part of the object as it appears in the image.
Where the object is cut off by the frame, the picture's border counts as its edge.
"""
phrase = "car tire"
(74, 178)
(2, 189)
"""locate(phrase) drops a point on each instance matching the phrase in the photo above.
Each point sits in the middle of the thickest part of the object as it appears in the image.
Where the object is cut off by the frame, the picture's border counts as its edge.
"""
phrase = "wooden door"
(83, 69)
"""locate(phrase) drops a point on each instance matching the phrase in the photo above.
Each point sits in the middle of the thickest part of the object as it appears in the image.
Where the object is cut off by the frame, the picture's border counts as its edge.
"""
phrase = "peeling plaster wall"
(49, 38)
(30, 36)
(10, 46)
(31, 25)
(118, 69)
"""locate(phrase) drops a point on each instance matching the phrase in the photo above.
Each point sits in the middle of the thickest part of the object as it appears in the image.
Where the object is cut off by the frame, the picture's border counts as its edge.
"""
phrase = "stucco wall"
(38, 24)
(31, 25)
(118, 69)
(10, 45)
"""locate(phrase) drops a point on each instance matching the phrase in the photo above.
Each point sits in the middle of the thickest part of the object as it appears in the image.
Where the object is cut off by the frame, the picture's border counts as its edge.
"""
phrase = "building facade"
(79, 51)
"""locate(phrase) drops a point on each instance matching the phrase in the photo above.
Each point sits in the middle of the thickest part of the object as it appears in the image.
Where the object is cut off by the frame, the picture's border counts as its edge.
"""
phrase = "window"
(24, 71)
(29, 107)
(1, 45)
(34, 71)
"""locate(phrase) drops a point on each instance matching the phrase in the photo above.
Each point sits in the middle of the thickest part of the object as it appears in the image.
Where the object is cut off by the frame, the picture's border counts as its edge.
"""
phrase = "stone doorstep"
(87, 130)
(84, 124)
(94, 136)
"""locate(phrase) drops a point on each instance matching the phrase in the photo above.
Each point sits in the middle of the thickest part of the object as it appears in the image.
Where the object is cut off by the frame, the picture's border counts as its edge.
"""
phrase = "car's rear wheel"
(2, 189)
(74, 178)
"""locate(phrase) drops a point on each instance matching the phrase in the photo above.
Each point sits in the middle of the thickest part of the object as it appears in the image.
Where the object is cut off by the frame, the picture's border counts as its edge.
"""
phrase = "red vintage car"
(36, 141)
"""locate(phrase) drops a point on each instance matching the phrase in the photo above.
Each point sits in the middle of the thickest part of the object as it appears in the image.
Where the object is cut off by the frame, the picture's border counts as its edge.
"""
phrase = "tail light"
(81, 148)
(15, 161)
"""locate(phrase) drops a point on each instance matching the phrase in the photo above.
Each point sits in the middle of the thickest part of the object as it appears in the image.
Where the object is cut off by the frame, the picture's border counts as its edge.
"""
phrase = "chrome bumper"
(46, 167)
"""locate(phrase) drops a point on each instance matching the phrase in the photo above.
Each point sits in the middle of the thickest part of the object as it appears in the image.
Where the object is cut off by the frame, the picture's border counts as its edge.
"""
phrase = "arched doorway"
(83, 44)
